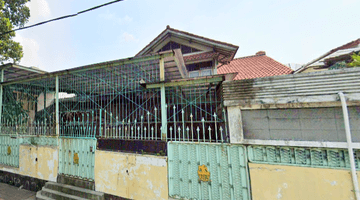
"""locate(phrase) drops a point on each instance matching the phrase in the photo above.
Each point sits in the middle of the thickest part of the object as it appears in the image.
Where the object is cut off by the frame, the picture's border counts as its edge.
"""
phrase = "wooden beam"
(201, 80)
(180, 63)
(162, 69)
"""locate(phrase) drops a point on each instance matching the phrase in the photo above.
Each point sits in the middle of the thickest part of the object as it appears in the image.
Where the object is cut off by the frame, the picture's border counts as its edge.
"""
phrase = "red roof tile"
(254, 67)
(200, 56)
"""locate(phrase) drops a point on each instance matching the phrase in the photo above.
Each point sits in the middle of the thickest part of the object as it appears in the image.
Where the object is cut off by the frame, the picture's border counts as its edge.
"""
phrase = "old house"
(172, 123)
(336, 58)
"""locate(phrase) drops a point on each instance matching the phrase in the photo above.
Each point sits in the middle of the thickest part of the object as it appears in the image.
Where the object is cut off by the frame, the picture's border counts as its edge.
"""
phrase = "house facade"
(172, 122)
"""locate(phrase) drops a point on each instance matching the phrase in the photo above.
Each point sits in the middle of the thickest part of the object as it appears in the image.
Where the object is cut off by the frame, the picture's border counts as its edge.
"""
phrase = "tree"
(356, 60)
(13, 13)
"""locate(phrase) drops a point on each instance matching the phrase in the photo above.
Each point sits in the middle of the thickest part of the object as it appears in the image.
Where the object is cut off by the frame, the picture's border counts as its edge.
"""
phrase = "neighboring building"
(334, 59)
(256, 66)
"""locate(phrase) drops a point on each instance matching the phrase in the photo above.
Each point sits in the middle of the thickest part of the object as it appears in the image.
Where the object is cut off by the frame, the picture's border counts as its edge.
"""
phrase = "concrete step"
(69, 180)
(59, 195)
(75, 191)
(39, 196)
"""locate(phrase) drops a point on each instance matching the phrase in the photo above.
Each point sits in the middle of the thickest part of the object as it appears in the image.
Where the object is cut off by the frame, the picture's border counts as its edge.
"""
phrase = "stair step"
(75, 191)
(69, 180)
(39, 196)
(59, 195)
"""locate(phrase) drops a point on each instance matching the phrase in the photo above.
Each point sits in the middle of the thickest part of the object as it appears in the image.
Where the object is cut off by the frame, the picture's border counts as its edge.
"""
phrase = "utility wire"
(63, 17)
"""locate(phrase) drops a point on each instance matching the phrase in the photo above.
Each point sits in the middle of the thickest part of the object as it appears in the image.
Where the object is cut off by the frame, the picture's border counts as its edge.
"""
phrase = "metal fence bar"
(302, 156)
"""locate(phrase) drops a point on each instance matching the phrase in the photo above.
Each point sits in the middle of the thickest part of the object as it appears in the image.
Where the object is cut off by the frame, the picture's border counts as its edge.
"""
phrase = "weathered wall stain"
(299, 183)
(131, 175)
(39, 162)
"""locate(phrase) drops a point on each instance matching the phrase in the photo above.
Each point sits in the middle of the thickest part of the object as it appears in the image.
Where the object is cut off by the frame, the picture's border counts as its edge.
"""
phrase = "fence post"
(1, 98)
(57, 105)
(163, 100)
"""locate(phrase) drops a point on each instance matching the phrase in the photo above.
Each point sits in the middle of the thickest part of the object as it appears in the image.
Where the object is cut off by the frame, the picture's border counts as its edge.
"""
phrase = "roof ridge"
(281, 63)
(251, 56)
(344, 46)
(168, 28)
(173, 29)
(306, 65)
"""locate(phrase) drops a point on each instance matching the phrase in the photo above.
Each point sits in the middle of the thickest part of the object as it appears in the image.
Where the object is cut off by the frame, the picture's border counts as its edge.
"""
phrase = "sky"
(289, 31)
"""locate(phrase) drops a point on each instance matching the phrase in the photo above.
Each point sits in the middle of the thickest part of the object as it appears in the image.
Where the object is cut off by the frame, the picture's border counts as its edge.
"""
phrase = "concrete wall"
(130, 175)
(39, 162)
(288, 182)
(306, 124)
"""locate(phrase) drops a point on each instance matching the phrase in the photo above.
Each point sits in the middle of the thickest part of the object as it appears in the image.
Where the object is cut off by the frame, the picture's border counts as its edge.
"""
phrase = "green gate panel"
(226, 163)
(11, 157)
(77, 157)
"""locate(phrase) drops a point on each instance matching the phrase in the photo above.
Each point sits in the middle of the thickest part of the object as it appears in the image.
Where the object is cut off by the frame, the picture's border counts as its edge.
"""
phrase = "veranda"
(129, 99)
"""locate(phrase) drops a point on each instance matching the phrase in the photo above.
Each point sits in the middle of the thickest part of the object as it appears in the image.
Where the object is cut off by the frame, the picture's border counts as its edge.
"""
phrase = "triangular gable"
(195, 43)
(185, 49)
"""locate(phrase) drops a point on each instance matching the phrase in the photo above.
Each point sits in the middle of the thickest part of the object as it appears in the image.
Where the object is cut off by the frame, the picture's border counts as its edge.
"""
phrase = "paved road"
(8, 192)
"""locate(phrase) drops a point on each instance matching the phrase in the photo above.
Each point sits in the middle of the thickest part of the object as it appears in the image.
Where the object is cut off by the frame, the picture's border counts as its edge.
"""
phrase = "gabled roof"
(320, 59)
(227, 50)
(255, 66)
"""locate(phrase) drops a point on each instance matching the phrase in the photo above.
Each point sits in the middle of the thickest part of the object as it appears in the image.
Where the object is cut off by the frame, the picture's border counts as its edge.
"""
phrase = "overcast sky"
(289, 31)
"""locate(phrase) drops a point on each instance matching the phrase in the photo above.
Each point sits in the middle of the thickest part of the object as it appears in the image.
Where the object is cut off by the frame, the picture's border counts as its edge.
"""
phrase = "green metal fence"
(9, 150)
(302, 156)
(196, 113)
(28, 108)
(111, 100)
(207, 171)
(77, 157)
(40, 140)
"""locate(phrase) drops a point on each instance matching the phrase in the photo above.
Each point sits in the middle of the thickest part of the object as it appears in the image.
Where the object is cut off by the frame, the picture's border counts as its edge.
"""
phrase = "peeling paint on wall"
(298, 183)
(39, 162)
(130, 175)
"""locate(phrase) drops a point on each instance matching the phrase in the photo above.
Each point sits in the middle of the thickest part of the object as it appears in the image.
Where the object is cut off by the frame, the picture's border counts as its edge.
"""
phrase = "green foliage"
(338, 65)
(356, 60)
(13, 110)
(14, 13)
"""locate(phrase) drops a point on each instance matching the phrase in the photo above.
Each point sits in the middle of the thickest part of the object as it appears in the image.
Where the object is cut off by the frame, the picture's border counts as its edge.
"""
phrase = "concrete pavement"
(9, 192)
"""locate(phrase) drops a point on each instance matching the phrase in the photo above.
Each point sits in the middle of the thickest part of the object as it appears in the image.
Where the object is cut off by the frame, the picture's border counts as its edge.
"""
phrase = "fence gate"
(9, 150)
(77, 157)
(207, 171)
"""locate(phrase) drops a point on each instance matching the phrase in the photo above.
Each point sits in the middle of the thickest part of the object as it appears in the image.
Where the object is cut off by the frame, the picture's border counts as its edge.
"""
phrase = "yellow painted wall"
(38, 161)
(298, 183)
(130, 175)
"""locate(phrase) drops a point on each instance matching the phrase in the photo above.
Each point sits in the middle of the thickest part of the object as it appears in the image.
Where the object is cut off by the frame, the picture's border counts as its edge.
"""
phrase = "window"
(174, 45)
(206, 72)
(200, 69)
(194, 74)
